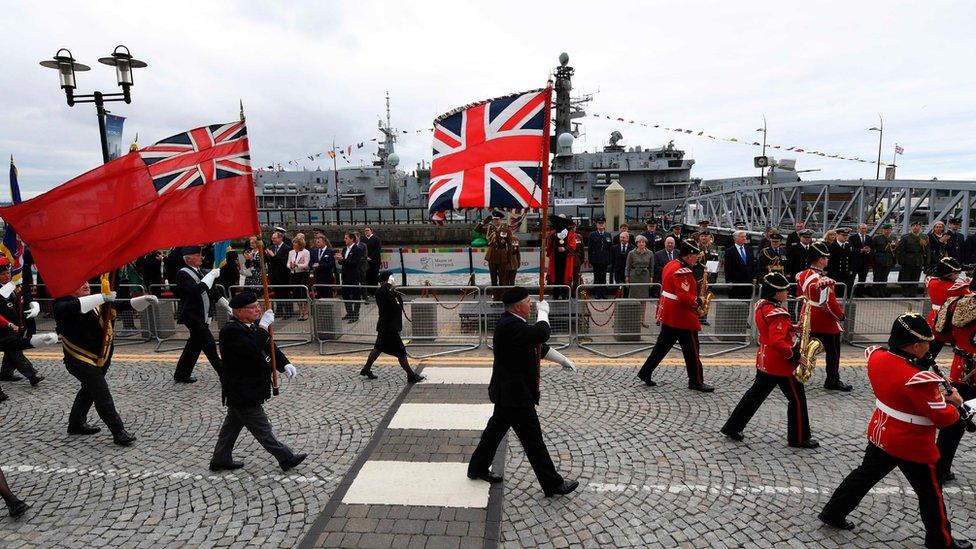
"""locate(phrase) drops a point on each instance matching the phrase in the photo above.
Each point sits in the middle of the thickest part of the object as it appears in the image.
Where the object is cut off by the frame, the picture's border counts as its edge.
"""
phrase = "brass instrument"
(705, 296)
(810, 347)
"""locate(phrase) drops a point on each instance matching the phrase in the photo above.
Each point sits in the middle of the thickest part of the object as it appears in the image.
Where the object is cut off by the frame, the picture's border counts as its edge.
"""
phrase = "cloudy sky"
(311, 72)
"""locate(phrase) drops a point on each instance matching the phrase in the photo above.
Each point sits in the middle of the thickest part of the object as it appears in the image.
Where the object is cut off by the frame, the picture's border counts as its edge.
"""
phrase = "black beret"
(243, 299)
(514, 295)
(687, 248)
(909, 328)
(955, 220)
(650, 221)
(384, 276)
(191, 250)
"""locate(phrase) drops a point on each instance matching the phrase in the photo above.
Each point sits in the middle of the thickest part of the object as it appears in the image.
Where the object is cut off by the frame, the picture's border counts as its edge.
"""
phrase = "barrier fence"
(610, 320)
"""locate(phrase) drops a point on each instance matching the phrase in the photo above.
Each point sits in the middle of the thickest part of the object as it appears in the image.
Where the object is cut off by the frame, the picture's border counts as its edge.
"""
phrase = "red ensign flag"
(191, 188)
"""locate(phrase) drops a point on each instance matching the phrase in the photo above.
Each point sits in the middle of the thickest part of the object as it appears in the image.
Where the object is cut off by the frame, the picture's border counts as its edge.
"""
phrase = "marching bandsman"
(826, 315)
(959, 319)
(678, 315)
(901, 432)
(17, 308)
(772, 259)
(246, 383)
(883, 259)
(515, 390)
(198, 305)
(499, 254)
(389, 302)
(944, 284)
(88, 344)
(776, 359)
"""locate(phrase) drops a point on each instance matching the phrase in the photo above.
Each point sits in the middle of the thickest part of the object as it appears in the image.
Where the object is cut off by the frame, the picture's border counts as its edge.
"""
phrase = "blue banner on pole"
(113, 134)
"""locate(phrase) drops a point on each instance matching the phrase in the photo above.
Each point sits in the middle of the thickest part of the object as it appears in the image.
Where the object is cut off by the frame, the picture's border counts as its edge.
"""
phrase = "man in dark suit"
(351, 260)
(861, 255)
(664, 256)
(514, 390)
(373, 247)
(618, 259)
(276, 259)
(796, 255)
(956, 247)
(198, 305)
(246, 384)
(172, 265)
(740, 266)
(150, 269)
(598, 246)
(794, 237)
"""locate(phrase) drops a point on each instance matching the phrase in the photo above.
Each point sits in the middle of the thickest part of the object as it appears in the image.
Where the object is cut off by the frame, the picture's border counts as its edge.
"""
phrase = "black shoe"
(566, 487)
(839, 386)
(295, 461)
(961, 544)
(185, 379)
(415, 378)
(3, 396)
(11, 377)
(948, 477)
(83, 429)
(123, 438)
(488, 477)
(840, 524)
(214, 466)
(648, 381)
(701, 387)
(35, 380)
(368, 373)
(18, 508)
(734, 435)
(809, 444)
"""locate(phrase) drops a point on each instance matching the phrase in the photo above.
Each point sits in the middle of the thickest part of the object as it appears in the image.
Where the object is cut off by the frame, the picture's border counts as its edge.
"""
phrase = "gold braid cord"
(965, 311)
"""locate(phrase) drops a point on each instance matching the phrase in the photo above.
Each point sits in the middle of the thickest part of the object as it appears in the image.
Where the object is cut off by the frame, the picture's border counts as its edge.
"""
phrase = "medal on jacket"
(561, 241)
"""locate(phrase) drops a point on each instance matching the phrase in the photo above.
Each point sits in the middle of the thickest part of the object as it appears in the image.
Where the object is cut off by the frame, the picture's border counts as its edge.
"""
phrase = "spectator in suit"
(796, 255)
(171, 266)
(150, 268)
(353, 256)
(861, 254)
(624, 228)
(794, 237)
(276, 261)
(373, 246)
(664, 256)
(740, 266)
(618, 259)
(324, 263)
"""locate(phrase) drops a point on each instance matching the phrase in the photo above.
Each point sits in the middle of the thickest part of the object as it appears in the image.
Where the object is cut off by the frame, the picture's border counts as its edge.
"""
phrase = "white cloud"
(309, 72)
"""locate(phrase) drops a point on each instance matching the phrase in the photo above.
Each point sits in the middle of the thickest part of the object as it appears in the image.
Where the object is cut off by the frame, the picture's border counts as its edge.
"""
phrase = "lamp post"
(66, 66)
(880, 130)
(762, 171)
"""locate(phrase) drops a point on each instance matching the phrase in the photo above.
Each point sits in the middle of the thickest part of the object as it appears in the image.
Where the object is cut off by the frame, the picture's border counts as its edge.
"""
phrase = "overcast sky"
(311, 72)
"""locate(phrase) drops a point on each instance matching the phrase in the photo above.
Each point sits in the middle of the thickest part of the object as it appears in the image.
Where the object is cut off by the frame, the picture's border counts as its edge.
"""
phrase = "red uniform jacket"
(826, 316)
(678, 307)
(565, 277)
(775, 339)
(941, 290)
(903, 388)
(963, 340)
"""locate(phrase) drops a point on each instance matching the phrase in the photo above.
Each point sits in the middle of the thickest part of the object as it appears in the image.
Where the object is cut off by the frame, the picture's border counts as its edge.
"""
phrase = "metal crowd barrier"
(170, 335)
(131, 327)
(729, 322)
(335, 321)
(869, 318)
(611, 316)
(561, 313)
(290, 302)
(443, 319)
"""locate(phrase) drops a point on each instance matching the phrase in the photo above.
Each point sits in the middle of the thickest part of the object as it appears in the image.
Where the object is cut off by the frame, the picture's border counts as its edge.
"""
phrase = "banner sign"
(113, 134)
(449, 260)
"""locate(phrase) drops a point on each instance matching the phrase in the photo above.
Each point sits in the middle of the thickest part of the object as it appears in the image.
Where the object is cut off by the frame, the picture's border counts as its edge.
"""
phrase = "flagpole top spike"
(242, 109)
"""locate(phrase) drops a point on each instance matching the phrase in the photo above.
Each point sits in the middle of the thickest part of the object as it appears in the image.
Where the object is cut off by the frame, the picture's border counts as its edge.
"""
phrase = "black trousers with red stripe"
(923, 478)
(831, 343)
(688, 340)
(798, 422)
(949, 437)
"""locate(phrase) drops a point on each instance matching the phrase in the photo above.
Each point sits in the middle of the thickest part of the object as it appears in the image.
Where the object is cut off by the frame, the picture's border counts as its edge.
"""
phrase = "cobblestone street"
(654, 470)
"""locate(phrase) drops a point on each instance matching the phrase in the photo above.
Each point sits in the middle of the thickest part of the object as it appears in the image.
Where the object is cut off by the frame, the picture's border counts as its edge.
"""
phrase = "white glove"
(267, 319)
(563, 233)
(91, 302)
(225, 304)
(7, 289)
(561, 359)
(142, 302)
(33, 309)
(210, 277)
(47, 338)
(542, 308)
(290, 371)
(109, 297)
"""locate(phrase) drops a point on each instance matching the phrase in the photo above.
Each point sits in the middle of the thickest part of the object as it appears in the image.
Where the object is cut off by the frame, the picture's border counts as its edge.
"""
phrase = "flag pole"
(544, 178)
(267, 303)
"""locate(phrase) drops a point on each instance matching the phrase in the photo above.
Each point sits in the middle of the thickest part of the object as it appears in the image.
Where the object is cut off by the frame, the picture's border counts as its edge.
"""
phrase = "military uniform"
(772, 260)
(776, 360)
(678, 315)
(940, 289)
(655, 239)
(19, 309)
(911, 254)
(839, 266)
(883, 259)
(501, 242)
(796, 259)
(826, 315)
(598, 245)
(909, 410)
(961, 373)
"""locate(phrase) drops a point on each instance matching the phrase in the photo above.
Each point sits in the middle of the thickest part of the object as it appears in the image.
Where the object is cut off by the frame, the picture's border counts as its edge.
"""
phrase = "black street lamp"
(880, 130)
(66, 66)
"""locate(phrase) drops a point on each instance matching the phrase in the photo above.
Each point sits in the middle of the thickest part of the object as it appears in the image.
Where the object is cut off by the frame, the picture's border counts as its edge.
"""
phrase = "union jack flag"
(198, 157)
(492, 154)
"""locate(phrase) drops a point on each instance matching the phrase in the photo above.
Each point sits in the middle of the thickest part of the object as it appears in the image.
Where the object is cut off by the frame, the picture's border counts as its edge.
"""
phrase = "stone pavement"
(653, 469)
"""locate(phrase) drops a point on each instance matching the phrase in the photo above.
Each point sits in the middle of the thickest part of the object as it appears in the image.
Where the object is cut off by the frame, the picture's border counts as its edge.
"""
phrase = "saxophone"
(809, 347)
(705, 296)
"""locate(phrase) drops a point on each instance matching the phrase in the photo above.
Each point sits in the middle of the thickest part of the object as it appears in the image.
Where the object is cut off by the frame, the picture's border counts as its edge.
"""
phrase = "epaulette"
(964, 312)
(958, 285)
(870, 350)
(943, 318)
(924, 376)
(683, 270)
(778, 311)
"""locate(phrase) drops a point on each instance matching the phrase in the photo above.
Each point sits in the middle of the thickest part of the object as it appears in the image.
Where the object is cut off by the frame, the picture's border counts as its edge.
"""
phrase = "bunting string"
(344, 153)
